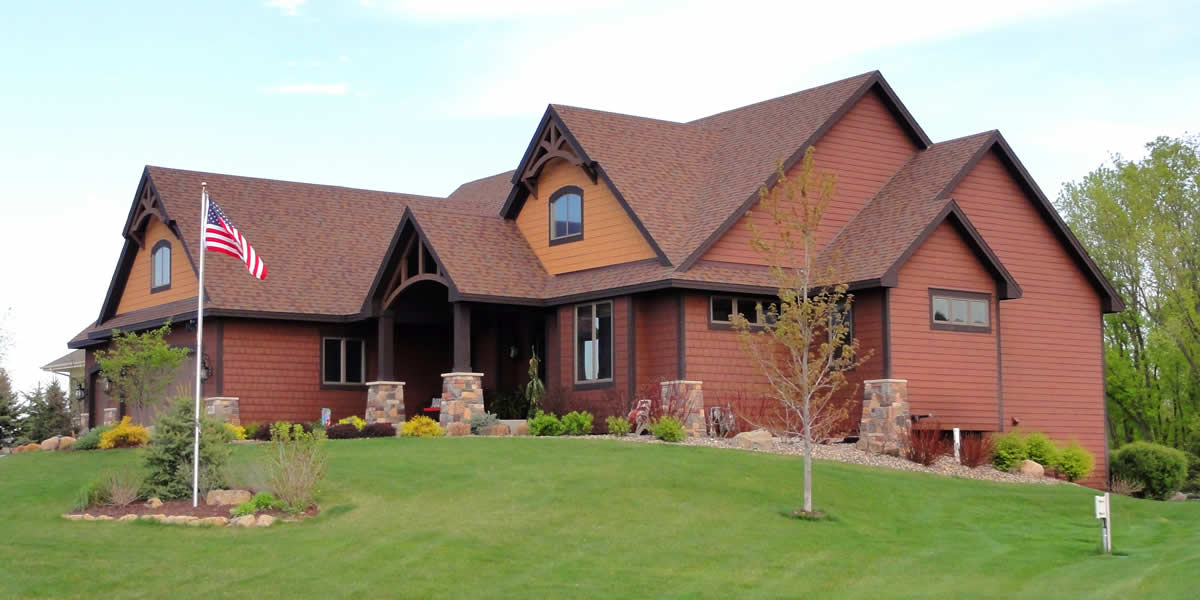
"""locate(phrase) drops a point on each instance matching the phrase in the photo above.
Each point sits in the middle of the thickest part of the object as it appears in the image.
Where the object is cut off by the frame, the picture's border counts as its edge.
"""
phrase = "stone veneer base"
(885, 421)
(462, 397)
(385, 403)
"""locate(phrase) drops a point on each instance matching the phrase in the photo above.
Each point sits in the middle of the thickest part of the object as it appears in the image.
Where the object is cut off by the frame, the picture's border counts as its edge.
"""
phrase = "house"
(617, 250)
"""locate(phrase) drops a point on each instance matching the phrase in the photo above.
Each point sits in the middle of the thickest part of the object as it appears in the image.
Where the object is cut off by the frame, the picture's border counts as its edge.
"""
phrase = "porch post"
(387, 348)
(462, 337)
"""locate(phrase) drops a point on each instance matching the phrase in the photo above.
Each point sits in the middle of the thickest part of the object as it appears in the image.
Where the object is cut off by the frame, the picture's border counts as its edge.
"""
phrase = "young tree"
(48, 413)
(10, 413)
(805, 349)
(141, 365)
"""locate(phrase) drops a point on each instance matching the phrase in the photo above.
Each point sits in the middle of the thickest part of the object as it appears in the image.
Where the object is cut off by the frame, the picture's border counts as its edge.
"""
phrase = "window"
(343, 360)
(566, 215)
(722, 309)
(160, 266)
(593, 342)
(959, 311)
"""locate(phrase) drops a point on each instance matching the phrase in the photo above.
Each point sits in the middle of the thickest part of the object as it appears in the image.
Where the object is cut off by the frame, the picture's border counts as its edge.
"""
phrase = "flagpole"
(199, 348)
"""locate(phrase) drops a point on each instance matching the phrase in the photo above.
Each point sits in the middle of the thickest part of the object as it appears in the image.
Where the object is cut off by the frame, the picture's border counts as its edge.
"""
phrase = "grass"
(525, 517)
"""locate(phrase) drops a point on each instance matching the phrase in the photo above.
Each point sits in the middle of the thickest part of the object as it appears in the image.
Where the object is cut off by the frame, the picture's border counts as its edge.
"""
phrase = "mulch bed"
(184, 508)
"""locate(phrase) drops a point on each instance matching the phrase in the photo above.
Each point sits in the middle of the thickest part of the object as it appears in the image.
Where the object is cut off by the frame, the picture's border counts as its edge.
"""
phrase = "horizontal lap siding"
(1050, 338)
(603, 402)
(274, 369)
(951, 374)
(136, 293)
(656, 329)
(609, 235)
(863, 150)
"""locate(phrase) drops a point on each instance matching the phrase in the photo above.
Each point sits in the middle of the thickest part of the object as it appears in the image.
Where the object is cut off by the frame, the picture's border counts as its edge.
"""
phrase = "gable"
(609, 234)
(863, 150)
(136, 291)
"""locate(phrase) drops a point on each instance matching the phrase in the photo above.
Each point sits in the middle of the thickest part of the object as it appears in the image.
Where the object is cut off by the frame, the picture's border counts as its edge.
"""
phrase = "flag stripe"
(221, 236)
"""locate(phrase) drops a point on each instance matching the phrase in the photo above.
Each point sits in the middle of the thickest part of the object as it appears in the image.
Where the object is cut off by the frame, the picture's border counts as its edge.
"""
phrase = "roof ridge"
(618, 114)
(782, 96)
(289, 181)
(964, 137)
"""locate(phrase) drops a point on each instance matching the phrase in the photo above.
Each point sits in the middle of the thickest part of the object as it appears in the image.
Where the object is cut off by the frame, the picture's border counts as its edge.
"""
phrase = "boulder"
(179, 520)
(50, 444)
(4, 451)
(161, 518)
(759, 439)
(104, 518)
(224, 497)
(87, 517)
(65, 442)
(128, 518)
(214, 521)
(71, 517)
(1028, 467)
(1178, 497)
(244, 521)
(155, 502)
(264, 521)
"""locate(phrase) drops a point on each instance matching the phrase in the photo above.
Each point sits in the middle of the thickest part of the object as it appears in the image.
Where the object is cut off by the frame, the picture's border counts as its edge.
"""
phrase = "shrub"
(124, 486)
(975, 449)
(668, 429)
(260, 502)
(295, 465)
(237, 432)
(354, 420)
(926, 444)
(94, 493)
(458, 429)
(1126, 487)
(342, 431)
(421, 426)
(1008, 450)
(1074, 462)
(1040, 449)
(250, 429)
(545, 424)
(1160, 469)
(375, 430)
(169, 458)
(577, 423)
(91, 439)
(1192, 485)
(125, 435)
(482, 421)
(617, 425)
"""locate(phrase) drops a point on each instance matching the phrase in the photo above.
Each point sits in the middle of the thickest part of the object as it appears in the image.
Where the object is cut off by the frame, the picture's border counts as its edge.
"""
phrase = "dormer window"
(566, 215)
(160, 267)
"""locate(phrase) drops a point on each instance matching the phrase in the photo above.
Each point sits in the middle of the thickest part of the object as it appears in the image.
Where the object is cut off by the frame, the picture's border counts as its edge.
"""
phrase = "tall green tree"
(47, 413)
(1140, 220)
(141, 365)
(10, 412)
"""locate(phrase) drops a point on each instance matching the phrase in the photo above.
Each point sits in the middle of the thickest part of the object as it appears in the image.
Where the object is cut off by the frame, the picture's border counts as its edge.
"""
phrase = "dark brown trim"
(999, 370)
(385, 351)
(961, 295)
(875, 80)
(681, 338)
(154, 266)
(347, 336)
(592, 385)
(728, 325)
(560, 192)
(1008, 287)
(631, 352)
(886, 351)
(612, 350)
(461, 340)
(220, 360)
(1104, 403)
(372, 303)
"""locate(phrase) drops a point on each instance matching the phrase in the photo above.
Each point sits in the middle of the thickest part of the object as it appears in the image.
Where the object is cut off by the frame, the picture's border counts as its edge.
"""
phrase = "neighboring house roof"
(64, 364)
(683, 186)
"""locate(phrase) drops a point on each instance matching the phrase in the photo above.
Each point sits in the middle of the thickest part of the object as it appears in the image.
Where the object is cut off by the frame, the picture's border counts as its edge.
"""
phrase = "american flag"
(221, 236)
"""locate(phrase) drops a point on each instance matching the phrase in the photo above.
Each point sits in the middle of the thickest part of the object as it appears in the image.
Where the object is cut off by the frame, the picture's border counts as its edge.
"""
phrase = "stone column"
(462, 397)
(885, 421)
(110, 416)
(84, 419)
(686, 397)
(385, 402)
(223, 409)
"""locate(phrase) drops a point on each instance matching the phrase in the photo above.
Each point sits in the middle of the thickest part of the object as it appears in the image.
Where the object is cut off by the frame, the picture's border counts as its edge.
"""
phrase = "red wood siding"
(951, 374)
(274, 369)
(657, 333)
(1051, 347)
(602, 402)
(863, 150)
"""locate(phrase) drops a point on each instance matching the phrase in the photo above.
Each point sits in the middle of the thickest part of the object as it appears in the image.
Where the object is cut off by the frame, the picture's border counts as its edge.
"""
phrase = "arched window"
(566, 215)
(160, 266)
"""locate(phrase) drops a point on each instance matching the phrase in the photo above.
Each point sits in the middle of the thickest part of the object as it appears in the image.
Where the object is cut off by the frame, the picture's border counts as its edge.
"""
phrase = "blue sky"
(420, 96)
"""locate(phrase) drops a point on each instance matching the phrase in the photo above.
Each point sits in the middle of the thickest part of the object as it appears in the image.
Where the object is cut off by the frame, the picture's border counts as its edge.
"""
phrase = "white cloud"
(287, 7)
(314, 89)
(344, 58)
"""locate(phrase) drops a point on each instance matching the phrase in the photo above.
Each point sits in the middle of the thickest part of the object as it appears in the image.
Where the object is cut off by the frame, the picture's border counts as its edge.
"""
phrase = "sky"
(419, 96)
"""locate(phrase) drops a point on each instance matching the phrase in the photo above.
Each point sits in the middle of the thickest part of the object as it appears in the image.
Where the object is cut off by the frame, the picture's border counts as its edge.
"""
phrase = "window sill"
(593, 385)
(161, 288)
(960, 328)
(566, 240)
(342, 386)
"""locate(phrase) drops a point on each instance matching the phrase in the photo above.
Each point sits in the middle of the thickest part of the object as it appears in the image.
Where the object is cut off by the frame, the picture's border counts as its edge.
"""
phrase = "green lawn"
(540, 518)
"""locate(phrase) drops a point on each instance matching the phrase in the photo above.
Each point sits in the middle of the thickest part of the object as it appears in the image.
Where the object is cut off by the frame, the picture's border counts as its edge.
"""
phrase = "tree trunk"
(808, 504)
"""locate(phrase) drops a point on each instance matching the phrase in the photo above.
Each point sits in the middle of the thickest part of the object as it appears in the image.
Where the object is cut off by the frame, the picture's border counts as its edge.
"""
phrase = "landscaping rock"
(179, 520)
(128, 518)
(65, 442)
(457, 429)
(50, 444)
(1028, 467)
(155, 502)
(223, 497)
(759, 439)
(4, 451)
(522, 429)
(264, 521)
(1178, 497)
(73, 517)
(104, 518)
(87, 517)
(244, 521)
(31, 447)
(499, 429)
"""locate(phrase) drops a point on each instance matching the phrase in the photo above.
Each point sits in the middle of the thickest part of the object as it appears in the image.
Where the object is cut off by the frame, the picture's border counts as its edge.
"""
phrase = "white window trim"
(342, 355)
(595, 338)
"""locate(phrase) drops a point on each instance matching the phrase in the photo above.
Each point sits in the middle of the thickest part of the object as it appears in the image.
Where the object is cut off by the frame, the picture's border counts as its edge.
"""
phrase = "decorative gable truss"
(147, 205)
(553, 143)
(409, 260)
